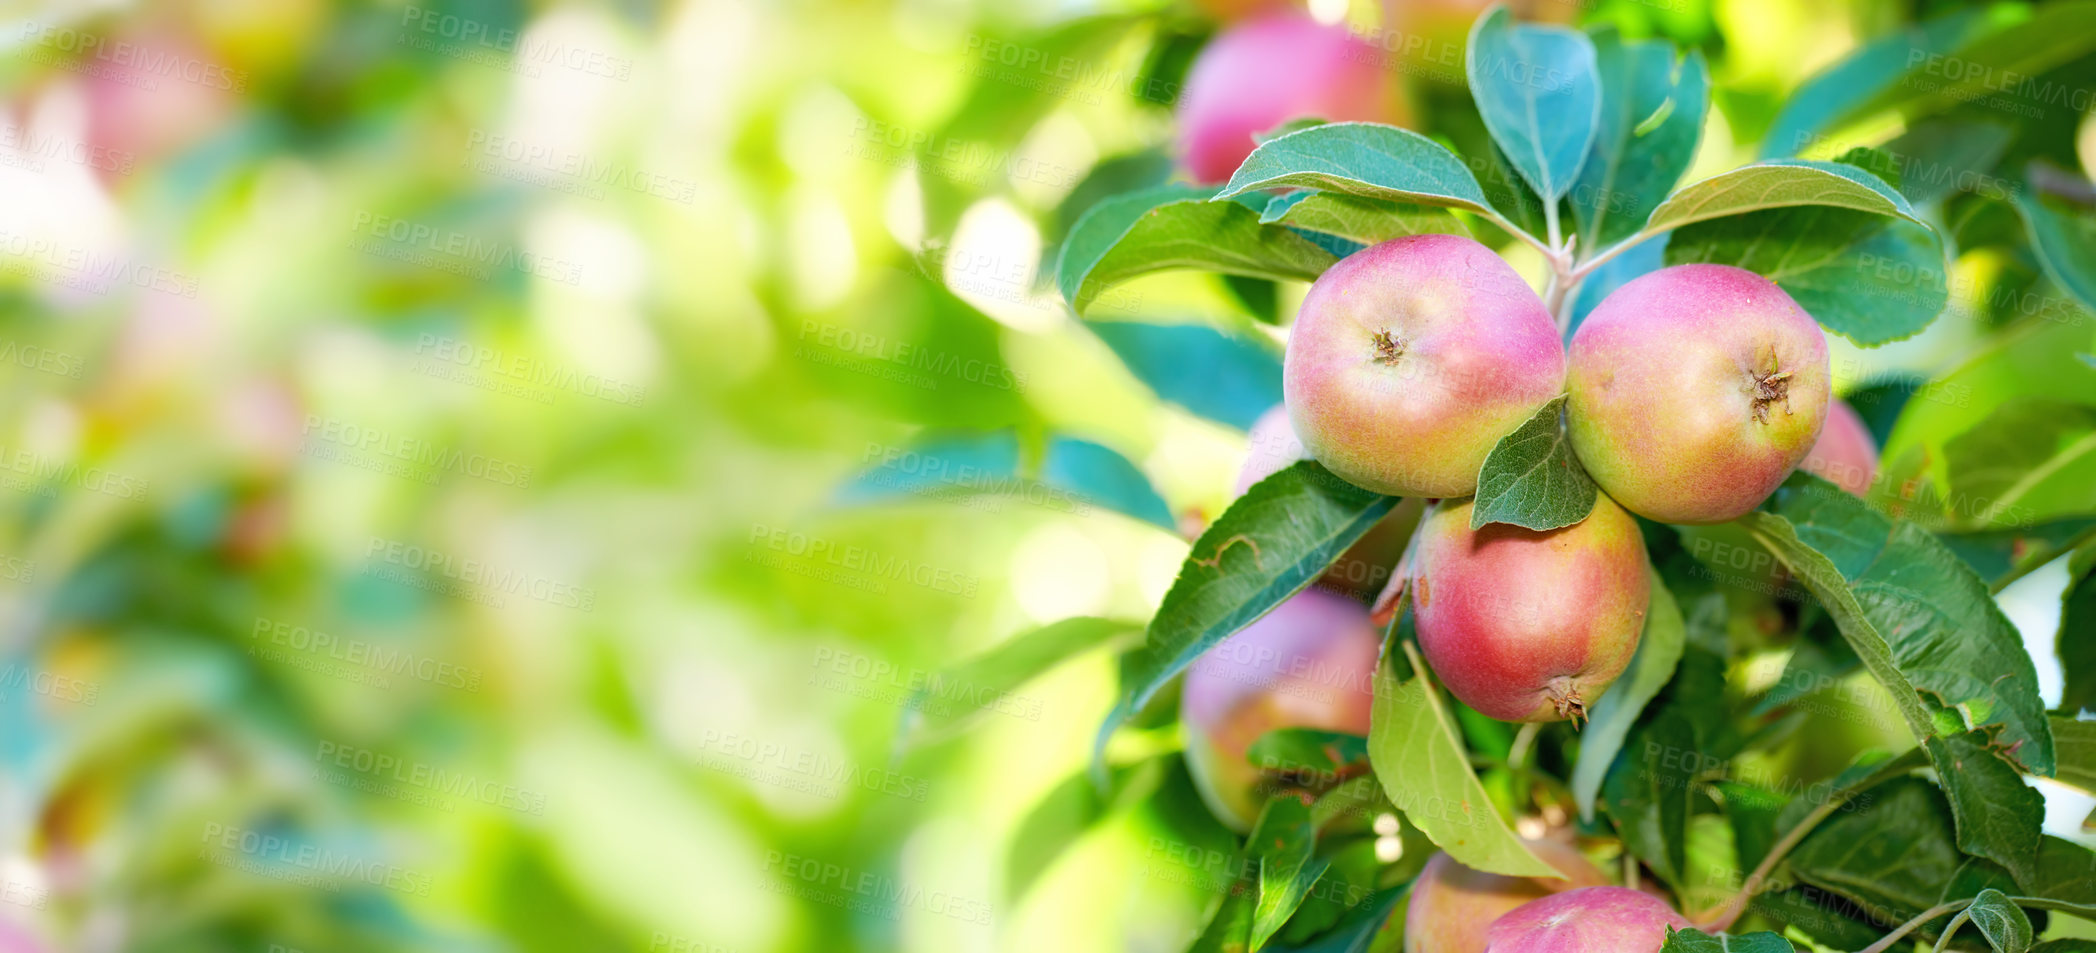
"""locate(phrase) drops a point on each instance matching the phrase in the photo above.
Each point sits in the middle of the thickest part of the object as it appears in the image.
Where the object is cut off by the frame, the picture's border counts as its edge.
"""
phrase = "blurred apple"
(1263, 72)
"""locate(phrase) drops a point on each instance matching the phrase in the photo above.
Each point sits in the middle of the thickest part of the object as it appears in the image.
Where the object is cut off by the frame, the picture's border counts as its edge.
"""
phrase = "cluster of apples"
(1692, 392)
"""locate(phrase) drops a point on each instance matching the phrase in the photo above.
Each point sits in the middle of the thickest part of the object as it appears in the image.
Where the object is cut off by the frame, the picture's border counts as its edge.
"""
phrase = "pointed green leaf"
(1365, 159)
(1168, 228)
(1531, 479)
(1271, 543)
(1419, 759)
(1697, 941)
(1540, 95)
(1651, 119)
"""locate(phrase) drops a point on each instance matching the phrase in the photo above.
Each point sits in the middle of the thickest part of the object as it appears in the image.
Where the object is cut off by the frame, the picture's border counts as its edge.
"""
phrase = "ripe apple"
(1695, 390)
(1588, 920)
(1279, 66)
(1845, 454)
(1310, 663)
(1528, 626)
(1410, 359)
(1452, 905)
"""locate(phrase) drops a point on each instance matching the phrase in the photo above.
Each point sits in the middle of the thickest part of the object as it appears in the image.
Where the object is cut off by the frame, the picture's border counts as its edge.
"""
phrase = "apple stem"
(1910, 926)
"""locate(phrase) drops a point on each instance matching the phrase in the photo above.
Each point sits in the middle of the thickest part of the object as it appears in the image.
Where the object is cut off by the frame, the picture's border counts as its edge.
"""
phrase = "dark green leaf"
(1359, 218)
(1365, 159)
(1649, 791)
(1996, 814)
(2067, 945)
(1359, 931)
(1090, 474)
(1423, 768)
(1897, 854)
(1531, 479)
(1223, 377)
(1168, 228)
(2065, 879)
(1946, 155)
(1632, 167)
(2004, 924)
(1610, 719)
(1696, 941)
(1270, 544)
(2076, 649)
(1540, 95)
(1916, 615)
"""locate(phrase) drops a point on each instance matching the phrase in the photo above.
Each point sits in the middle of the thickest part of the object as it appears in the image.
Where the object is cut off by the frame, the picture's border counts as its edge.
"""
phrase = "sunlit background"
(430, 451)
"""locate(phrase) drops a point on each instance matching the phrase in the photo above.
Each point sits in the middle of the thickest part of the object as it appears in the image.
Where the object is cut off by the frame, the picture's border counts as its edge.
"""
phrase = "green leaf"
(952, 698)
(1845, 92)
(2065, 880)
(1271, 543)
(1651, 119)
(1540, 95)
(2064, 237)
(1167, 228)
(1942, 156)
(1610, 720)
(1284, 843)
(1650, 791)
(1071, 475)
(1312, 750)
(2066, 945)
(1531, 479)
(1413, 745)
(2003, 923)
(2076, 650)
(1915, 614)
(1365, 159)
(1779, 183)
(1997, 815)
(1379, 916)
(1223, 377)
(1897, 854)
(1359, 218)
(1696, 941)
(2032, 459)
(2003, 555)
(1869, 277)
(1067, 812)
(1994, 66)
